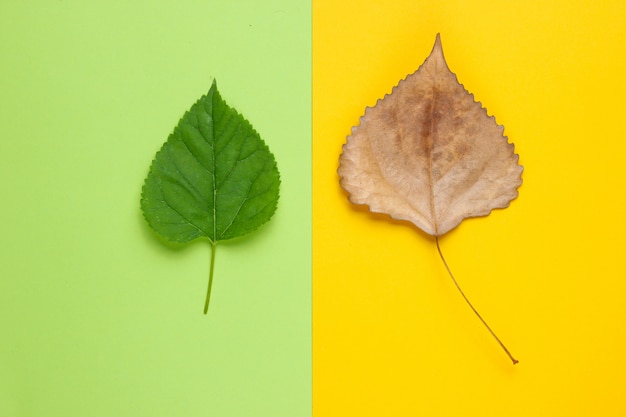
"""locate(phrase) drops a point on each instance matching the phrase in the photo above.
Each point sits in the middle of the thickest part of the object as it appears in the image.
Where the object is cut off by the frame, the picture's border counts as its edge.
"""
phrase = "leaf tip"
(438, 49)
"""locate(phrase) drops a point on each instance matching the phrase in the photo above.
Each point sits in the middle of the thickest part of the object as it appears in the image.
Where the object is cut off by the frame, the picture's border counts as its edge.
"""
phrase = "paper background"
(97, 316)
(392, 336)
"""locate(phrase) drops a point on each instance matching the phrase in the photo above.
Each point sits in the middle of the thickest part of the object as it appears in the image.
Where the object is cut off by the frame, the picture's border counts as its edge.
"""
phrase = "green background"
(98, 316)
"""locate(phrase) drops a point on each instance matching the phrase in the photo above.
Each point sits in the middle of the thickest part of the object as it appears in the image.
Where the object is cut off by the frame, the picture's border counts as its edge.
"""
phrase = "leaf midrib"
(213, 173)
(431, 182)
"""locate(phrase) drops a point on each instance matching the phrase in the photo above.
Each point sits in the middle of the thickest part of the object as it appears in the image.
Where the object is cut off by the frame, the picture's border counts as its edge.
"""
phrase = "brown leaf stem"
(470, 304)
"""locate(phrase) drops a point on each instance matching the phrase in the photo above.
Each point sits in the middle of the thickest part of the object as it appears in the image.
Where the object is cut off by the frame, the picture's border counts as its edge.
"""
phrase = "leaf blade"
(202, 177)
(428, 153)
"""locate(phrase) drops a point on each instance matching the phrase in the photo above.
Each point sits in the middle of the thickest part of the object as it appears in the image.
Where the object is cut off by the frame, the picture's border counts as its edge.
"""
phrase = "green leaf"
(213, 178)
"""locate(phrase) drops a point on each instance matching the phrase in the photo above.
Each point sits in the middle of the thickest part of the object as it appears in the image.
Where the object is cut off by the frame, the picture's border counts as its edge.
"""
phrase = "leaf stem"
(208, 290)
(470, 304)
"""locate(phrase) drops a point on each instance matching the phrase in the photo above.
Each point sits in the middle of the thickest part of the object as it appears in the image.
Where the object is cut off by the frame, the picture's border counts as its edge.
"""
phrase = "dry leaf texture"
(428, 153)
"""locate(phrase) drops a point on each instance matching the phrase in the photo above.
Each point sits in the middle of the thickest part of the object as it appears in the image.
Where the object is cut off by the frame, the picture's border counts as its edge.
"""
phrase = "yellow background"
(392, 336)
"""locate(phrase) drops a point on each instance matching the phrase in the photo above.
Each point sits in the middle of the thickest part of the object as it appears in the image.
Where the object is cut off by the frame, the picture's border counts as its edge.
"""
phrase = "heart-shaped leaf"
(428, 153)
(214, 178)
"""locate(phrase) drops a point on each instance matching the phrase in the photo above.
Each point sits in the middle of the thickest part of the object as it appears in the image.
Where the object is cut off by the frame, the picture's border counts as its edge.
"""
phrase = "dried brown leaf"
(428, 153)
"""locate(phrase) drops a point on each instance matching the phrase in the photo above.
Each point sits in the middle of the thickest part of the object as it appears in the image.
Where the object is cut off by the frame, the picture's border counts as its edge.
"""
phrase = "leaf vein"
(190, 185)
(192, 153)
(188, 221)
